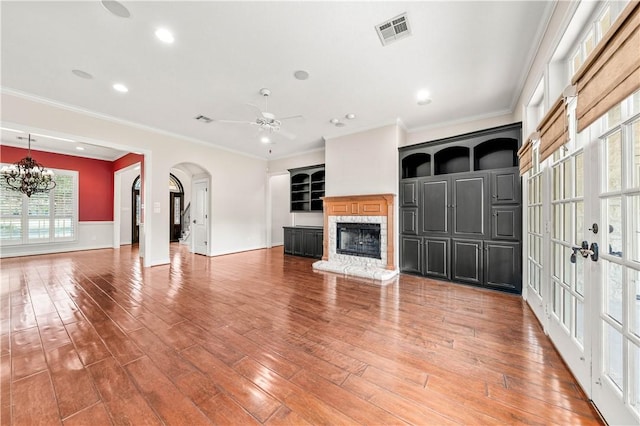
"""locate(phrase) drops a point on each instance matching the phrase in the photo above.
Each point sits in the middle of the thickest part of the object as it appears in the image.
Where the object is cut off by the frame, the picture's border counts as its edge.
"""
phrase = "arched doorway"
(176, 206)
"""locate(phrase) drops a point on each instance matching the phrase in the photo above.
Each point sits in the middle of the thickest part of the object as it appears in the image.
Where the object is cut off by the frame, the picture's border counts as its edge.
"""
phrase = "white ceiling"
(471, 55)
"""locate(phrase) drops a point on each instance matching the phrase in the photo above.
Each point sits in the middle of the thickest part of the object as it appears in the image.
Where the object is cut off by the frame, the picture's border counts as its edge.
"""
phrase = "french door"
(584, 283)
(616, 354)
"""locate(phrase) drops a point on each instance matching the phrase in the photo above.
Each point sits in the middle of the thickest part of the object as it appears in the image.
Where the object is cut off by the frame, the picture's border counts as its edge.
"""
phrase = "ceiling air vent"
(393, 29)
(204, 119)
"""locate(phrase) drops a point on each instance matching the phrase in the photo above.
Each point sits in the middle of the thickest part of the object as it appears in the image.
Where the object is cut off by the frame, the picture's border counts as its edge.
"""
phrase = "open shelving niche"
(307, 188)
(495, 153)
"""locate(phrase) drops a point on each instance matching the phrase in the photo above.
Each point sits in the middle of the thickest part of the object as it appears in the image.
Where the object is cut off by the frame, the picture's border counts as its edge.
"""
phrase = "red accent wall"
(127, 160)
(95, 179)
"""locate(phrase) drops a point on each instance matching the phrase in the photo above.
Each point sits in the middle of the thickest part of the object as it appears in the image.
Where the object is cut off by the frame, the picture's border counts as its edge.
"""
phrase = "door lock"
(585, 251)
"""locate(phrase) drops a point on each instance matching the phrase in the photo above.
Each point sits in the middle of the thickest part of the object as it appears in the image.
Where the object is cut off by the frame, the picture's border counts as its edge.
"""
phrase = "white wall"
(126, 213)
(91, 235)
(280, 196)
(281, 166)
(363, 163)
(238, 182)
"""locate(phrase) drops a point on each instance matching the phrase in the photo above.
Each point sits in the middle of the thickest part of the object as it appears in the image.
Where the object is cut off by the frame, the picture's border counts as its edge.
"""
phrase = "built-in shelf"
(495, 154)
(307, 188)
(416, 165)
(454, 159)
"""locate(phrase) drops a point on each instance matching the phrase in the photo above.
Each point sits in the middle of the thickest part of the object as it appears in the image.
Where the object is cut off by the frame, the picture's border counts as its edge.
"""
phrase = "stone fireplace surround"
(376, 208)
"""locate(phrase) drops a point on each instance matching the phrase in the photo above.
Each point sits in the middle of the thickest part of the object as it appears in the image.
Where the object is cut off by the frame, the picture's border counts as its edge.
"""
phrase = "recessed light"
(301, 75)
(80, 148)
(116, 8)
(120, 88)
(334, 121)
(423, 97)
(350, 116)
(264, 139)
(82, 74)
(164, 35)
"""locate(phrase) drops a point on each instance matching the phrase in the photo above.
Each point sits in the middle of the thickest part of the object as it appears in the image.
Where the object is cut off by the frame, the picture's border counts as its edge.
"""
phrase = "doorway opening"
(176, 209)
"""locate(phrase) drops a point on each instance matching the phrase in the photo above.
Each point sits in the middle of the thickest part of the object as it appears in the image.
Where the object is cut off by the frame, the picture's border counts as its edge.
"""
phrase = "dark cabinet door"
(505, 187)
(288, 241)
(409, 193)
(502, 265)
(505, 223)
(469, 206)
(297, 237)
(436, 257)
(409, 221)
(410, 259)
(467, 261)
(318, 244)
(434, 207)
(309, 242)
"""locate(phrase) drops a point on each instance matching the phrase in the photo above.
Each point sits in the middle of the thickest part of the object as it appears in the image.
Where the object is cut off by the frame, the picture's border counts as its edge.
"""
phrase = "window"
(43, 218)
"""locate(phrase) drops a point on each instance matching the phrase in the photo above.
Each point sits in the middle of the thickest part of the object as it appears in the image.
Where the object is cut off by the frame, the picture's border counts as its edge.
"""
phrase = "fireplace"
(358, 239)
(359, 236)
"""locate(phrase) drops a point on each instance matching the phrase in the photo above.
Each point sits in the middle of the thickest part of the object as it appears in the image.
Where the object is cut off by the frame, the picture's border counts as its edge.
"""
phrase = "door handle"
(585, 251)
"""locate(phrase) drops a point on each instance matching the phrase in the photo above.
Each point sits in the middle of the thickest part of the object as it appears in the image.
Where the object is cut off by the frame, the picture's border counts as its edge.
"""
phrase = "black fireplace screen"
(359, 239)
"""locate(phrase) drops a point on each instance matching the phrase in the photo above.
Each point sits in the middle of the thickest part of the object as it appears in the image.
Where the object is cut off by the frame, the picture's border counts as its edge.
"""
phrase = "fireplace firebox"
(358, 239)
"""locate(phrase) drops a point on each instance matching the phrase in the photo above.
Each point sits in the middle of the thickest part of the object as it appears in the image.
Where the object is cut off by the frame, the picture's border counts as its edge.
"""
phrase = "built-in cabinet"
(460, 209)
(303, 241)
(307, 188)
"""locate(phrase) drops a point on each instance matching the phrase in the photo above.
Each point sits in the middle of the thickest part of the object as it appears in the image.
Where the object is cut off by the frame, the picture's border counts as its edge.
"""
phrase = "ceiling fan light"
(164, 35)
(264, 139)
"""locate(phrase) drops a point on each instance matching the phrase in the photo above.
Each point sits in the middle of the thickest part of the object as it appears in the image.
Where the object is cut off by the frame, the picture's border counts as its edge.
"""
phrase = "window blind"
(553, 129)
(525, 158)
(612, 71)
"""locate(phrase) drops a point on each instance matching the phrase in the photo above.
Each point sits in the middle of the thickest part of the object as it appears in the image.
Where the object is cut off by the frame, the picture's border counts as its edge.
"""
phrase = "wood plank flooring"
(259, 338)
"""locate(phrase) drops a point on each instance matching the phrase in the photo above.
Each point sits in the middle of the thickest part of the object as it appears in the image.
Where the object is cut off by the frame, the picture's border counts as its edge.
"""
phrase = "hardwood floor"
(259, 338)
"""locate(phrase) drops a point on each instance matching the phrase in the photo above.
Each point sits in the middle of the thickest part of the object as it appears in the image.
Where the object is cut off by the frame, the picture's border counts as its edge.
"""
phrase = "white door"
(616, 349)
(537, 286)
(200, 217)
(592, 303)
(568, 294)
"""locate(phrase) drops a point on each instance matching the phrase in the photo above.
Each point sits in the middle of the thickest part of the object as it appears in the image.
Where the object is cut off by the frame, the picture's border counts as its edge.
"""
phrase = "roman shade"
(612, 72)
(525, 156)
(553, 129)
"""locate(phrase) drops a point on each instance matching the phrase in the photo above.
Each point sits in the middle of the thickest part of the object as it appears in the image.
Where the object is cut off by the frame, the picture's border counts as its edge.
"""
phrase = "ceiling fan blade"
(233, 121)
(291, 117)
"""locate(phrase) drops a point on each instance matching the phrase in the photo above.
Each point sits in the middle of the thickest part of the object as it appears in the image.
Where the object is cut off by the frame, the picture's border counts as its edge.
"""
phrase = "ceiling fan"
(265, 120)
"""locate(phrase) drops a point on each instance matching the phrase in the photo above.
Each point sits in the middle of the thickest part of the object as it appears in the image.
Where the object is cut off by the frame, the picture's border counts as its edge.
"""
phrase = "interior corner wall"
(237, 200)
(95, 180)
(363, 163)
(282, 166)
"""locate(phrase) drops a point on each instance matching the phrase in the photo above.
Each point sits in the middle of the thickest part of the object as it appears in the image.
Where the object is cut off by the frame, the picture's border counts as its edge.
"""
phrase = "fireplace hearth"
(358, 239)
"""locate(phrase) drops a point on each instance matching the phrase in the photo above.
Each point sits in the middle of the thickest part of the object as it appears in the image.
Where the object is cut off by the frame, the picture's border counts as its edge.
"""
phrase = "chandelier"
(27, 175)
